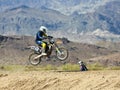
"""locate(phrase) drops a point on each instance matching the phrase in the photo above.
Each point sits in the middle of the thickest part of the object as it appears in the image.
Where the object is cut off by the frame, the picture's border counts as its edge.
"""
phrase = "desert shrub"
(113, 68)
(12, 67)
(49, 67)
(96, 66)
(2, 67)
(70, 67)
(66, 67)
(32, 68)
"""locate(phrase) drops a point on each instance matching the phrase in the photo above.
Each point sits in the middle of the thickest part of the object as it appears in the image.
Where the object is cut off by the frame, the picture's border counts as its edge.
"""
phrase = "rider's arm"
(45, 35)
(39, 35)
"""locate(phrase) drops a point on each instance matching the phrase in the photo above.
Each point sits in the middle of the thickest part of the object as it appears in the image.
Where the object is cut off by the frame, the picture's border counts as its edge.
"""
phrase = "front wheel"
(62, 54)
(32, 59)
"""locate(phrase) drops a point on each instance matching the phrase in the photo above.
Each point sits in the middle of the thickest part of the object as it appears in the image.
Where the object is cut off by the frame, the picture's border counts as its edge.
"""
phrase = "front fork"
(57, 49)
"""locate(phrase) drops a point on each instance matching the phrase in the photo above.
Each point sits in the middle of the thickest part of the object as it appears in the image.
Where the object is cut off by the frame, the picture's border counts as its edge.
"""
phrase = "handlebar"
(50, 37)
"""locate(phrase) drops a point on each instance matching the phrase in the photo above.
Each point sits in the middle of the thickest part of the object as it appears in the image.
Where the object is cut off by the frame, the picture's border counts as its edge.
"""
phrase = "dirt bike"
(60, 52)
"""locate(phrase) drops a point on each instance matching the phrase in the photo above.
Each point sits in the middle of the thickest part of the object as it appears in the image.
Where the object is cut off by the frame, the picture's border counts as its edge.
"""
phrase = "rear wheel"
(62, 54)
(32, 59)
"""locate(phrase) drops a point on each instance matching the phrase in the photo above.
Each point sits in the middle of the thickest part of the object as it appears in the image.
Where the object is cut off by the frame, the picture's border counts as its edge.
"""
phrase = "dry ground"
(52, 80)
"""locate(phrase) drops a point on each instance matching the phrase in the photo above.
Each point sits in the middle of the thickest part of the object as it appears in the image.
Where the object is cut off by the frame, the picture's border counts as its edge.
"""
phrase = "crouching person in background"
(82, 66)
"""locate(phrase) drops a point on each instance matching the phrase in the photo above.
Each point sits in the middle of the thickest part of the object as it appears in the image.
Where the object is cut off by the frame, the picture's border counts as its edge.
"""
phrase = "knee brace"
(44, 45)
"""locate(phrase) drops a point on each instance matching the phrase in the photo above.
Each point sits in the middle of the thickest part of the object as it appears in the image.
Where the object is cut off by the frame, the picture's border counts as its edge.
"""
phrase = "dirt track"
(51, 80)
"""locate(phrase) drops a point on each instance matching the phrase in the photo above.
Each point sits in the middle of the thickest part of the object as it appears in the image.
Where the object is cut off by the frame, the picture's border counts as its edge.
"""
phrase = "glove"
(44, 38)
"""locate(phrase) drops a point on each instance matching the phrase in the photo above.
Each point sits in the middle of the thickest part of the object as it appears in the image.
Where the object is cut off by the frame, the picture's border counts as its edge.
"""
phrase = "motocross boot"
(43, 52)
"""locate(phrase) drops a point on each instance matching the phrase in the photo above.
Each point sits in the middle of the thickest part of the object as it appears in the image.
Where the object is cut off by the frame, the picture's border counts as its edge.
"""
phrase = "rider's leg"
(40, 43)
(43, 48)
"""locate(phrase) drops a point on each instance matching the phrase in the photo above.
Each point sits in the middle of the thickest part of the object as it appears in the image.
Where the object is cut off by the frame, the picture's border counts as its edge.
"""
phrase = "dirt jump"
(53, 80)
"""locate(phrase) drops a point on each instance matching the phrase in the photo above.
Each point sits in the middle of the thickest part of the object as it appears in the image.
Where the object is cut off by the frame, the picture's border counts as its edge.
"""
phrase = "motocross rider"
(40, 36)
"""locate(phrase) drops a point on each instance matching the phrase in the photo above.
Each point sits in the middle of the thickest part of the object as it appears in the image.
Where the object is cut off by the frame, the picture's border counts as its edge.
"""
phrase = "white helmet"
(80, 62)
(43, 29)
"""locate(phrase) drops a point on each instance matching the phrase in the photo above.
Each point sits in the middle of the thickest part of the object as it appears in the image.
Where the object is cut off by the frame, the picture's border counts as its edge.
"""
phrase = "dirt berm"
(52, 80)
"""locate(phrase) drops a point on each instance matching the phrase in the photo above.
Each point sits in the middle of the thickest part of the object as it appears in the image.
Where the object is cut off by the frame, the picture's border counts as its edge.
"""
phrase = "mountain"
(77, 20)
(66, 7)
(24, 20)
(105, 19)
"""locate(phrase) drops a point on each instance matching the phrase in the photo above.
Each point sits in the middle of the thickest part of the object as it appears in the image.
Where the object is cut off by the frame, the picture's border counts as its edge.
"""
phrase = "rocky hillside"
(112, 59)
(13, 50)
